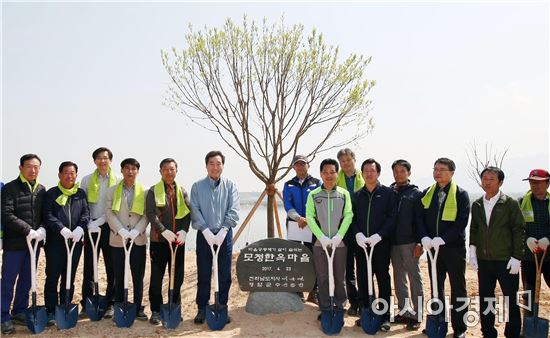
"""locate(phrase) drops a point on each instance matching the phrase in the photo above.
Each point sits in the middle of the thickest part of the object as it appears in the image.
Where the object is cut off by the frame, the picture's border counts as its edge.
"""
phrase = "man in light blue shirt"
(214, 212)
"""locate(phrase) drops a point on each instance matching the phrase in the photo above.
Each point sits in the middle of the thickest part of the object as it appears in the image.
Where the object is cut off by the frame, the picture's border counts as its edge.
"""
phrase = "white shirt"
(97, 209)
(489, 204)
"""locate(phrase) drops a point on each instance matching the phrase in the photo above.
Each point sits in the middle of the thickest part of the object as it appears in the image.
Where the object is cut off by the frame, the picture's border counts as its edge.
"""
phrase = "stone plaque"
(275, 265)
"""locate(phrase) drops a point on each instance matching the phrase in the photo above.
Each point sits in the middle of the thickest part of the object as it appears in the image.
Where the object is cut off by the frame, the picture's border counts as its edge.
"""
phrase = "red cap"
(538, 175)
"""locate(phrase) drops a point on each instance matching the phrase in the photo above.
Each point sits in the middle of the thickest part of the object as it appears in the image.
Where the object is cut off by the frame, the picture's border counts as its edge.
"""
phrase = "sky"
(77, 76)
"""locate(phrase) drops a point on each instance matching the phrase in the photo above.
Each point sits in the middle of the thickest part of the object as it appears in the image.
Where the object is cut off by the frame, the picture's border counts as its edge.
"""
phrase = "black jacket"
(56, 217)
(21, 212)
(374, 212)
(430, 223)
(405, 231)
(161, 218)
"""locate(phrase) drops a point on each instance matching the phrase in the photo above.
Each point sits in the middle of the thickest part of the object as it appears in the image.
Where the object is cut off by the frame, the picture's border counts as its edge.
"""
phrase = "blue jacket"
(374, 212)
(405, 231)
(295, 195)
(431, 225)
(56, 217)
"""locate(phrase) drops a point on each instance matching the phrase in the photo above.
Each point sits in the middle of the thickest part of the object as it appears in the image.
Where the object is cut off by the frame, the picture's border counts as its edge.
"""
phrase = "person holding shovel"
(168, 211)
(22, 218)
(442, 216)
(96, 186)
(497, 233)
(374, 213)
(350, 178)
(536, 213)
(125, 214)
(329, 215)
(214, 212)
(66, 216)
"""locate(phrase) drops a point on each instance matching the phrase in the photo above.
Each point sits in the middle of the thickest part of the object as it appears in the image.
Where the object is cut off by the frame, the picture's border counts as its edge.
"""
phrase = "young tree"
(265, 88)
(479, 160)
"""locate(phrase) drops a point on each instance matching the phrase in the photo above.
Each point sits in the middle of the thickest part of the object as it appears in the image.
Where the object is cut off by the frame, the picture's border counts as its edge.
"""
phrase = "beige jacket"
(124, 219)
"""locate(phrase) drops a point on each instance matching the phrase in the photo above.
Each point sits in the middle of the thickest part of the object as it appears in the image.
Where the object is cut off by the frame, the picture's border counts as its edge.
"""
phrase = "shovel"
(36, 315)
(96, 304)
(170, 313)
(535, 327)
(125, 312)
(216, 315)
(331, 320)
(436, 326)
(370, 321)
(66, 315)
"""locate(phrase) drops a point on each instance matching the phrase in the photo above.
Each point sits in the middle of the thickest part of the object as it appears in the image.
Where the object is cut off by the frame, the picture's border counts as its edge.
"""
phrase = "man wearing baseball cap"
(536, 213)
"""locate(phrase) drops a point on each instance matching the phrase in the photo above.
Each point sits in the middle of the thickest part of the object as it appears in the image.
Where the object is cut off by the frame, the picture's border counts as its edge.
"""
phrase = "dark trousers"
(137, 269)
(204, 269)
(489, 272)
(528, 274)
(351, 288)
(380, 268)
(452, 261)
(160, 258)
(88, 276)
(16, 265)
(56, 268)
(321, 269)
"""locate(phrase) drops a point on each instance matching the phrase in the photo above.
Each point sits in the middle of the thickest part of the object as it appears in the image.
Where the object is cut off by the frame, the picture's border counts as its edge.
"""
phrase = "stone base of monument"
(263, 303)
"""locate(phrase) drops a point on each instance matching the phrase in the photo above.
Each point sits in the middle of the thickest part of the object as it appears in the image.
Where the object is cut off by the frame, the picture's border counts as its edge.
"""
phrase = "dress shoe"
(8, 328)
(199, 318)
(155, 318)
(19, 319)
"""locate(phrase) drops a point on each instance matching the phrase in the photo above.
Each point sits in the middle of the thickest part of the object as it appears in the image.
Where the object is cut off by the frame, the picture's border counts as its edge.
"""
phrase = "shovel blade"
(95, 307)
(170, 315)
(36, 319)
(66, 316)
(125, 314)
(436, 326)
(216, 316)
(332, 321)
(370, 321)
(535, 327)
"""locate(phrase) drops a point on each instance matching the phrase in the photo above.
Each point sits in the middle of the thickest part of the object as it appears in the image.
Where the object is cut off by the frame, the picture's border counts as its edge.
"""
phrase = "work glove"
(335, 241)
(543, 243)
(426, 243)
(66, 233)
(77, 234)
(325, 242)
(41, 234)
(532, 244)
(169, 235)
(361, 240)
(220, 236)
(373, 240)
(181, 235)
(124, 233)
(514, 265)
(437, 242)
(209, 237)
(94, 226)
(133, 234)
(33, 234)
(473, 257)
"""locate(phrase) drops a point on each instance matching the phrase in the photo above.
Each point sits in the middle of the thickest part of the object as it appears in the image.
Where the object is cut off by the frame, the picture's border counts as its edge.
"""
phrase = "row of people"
(117, 211)
(351, 211)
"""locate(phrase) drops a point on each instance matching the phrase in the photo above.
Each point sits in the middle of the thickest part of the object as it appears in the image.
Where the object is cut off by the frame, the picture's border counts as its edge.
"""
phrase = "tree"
(478, 161)
(264, 89)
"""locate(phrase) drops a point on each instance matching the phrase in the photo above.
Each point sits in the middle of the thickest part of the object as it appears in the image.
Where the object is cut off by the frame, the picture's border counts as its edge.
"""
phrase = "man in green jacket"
(497, 233)
(329, 215)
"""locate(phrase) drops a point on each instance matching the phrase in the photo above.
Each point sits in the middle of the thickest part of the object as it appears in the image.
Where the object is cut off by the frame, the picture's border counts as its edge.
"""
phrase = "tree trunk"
(270, 218)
